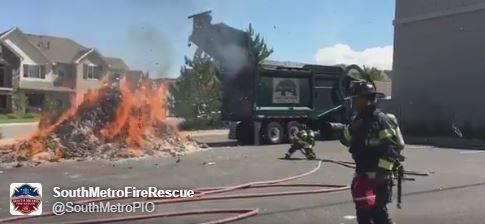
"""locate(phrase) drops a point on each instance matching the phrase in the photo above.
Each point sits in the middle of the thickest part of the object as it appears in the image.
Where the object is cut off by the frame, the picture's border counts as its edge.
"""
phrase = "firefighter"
(374, 141)
(304, 140)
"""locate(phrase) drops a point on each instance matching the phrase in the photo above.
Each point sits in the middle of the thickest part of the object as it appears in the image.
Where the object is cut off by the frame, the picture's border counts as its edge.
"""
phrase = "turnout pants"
(378, 214)
(309, 153)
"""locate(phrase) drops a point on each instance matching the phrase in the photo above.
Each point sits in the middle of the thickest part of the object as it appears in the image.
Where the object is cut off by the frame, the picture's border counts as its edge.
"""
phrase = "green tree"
(197, 91)
(53, 107)
(20, 102)
(372, 72)
(257, 45)
(375, 74)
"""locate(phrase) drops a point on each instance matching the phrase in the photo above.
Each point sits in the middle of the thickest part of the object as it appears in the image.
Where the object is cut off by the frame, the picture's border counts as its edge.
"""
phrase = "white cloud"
(380, 57)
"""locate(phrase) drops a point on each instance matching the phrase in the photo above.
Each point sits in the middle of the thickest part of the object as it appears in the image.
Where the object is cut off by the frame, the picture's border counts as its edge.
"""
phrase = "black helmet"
(364, 88)
(302, 126)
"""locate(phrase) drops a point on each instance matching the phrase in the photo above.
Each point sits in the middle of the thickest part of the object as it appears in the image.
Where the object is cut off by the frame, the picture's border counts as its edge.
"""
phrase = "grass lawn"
(13, 118)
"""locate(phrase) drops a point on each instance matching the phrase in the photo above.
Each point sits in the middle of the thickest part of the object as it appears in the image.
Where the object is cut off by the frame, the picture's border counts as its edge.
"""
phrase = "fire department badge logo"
(25, 198)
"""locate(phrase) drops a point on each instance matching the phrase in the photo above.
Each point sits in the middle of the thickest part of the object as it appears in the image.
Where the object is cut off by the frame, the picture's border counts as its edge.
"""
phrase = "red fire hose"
(203, 194)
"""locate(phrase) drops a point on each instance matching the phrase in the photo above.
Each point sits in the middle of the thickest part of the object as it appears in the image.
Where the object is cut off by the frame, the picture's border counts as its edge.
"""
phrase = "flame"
(141, 107)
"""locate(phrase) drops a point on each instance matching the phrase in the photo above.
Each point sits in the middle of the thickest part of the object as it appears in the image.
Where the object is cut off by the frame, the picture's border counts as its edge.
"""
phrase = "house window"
(3, 101)
(92, 72)
(60, 73)
(2, 75)
(34, 71)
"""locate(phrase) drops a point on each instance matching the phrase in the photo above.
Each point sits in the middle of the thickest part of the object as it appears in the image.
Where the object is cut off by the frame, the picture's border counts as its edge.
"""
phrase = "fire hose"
(204, 194)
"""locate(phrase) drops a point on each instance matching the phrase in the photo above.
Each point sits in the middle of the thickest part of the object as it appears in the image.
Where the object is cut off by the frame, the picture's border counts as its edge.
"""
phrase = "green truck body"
(267, 102)
(287, 92)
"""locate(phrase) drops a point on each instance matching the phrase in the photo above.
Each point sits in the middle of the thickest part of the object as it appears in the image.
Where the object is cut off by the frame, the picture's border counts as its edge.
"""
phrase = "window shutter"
(96, 72)
(85, 71)
(42, 71)
(26, 71)
(100, 75)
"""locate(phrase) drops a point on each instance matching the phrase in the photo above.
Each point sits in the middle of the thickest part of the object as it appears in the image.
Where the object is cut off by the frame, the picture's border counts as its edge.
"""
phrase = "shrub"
(11, 116)
(20, 101)
(30, 115)
(52, 108)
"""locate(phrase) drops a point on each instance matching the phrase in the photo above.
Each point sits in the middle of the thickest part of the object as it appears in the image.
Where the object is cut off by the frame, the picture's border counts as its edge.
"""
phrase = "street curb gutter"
(206, 132)
(19, 124)
(446, 142)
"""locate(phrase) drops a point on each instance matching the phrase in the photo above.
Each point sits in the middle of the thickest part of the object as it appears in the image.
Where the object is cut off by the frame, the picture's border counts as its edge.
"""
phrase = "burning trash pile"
(109, 123)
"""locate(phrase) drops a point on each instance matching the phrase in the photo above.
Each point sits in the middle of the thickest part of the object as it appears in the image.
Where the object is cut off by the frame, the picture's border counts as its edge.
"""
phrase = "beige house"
(45, 66)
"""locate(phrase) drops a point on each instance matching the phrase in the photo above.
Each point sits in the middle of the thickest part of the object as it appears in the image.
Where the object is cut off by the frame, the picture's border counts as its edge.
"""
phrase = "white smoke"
(235, 58)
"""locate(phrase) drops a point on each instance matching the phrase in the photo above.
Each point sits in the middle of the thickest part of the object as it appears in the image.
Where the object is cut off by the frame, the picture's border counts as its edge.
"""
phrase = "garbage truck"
(267, 101)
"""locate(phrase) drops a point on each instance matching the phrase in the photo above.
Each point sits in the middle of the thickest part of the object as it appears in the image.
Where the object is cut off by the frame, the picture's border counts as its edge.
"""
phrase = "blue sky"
(152, 35)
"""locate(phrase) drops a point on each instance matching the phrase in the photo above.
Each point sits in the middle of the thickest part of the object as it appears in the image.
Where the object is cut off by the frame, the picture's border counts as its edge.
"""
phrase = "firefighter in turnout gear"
(305, 141)
(375, 142)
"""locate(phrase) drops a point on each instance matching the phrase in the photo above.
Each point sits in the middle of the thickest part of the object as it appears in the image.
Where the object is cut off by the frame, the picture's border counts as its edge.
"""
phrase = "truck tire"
(274, 133)
(245, 133)
(292, 128)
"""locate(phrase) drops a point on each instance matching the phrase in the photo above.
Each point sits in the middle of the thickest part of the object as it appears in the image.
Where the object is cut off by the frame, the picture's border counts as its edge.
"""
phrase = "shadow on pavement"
(221, 144)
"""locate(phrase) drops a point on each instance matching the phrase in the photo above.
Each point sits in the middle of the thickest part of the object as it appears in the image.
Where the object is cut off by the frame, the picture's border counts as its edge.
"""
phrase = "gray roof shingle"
(57, 49)
(116, 63)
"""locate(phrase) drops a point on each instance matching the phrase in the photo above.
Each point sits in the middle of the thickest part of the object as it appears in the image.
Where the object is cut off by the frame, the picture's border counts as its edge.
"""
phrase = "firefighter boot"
(287, 155)
(290, 152)
(364, 216)
(381, 216)
(310, 155)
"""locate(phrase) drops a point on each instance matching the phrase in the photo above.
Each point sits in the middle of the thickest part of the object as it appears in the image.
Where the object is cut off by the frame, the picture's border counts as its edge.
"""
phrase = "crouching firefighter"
(304, 141)
(375, 143)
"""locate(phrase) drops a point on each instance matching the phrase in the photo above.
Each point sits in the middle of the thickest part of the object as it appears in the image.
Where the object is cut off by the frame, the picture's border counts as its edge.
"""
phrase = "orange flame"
(141, 107)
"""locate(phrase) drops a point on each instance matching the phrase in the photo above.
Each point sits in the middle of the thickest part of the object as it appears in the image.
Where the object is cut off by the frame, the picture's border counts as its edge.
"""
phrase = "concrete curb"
(206, 132)
(19, 124)
(446, 142)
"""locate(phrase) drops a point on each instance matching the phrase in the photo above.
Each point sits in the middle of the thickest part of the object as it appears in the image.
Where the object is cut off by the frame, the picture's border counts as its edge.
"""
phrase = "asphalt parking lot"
(454, 193)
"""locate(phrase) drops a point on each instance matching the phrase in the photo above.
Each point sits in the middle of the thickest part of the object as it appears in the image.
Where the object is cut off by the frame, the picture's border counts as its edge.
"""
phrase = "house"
(116, 66)
(134, 77)
(41, 66)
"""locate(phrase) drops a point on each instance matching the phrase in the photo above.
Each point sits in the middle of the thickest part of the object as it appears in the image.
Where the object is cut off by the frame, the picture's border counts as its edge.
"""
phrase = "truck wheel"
(244, 133)
(274, 133)
(291, 130)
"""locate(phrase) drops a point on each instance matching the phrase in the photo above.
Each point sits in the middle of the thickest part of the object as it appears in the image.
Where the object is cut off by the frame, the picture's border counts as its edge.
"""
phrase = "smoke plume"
(150, 49)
